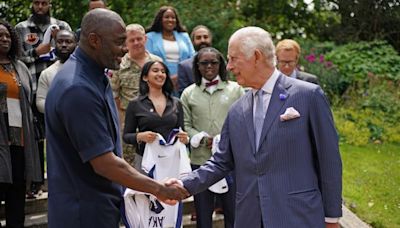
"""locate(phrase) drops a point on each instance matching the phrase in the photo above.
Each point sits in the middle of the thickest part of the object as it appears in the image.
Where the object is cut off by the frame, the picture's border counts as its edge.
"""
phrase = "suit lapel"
(160, 45)
(278, 99)
(248, 117)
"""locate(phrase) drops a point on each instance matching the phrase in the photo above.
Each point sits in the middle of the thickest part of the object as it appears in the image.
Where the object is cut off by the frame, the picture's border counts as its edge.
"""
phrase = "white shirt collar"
(294, 74)
(269, 85)
(204, 81)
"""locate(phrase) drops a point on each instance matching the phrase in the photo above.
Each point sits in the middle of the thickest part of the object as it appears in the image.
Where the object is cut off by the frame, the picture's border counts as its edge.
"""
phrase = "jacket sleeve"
(328, 160)
(42, 90)
(183, 77)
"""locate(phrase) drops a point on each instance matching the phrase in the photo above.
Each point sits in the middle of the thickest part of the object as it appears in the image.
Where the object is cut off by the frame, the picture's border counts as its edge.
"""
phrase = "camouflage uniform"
(125, 86)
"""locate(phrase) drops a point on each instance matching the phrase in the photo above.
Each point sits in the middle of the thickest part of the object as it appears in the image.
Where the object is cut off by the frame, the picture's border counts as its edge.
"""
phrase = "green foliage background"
(354, 44)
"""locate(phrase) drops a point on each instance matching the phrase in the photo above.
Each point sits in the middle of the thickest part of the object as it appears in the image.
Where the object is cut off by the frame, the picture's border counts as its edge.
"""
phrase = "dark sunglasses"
(206, 63)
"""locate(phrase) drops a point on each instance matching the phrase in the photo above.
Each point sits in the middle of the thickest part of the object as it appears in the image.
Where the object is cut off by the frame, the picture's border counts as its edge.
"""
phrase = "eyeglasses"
(206, 63)
(287, 63)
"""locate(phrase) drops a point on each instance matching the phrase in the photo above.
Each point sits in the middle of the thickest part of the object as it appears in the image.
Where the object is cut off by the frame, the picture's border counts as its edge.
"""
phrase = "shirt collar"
(269, 85)
(293, 74)
(127, 62)
(92, 66)
(204, 81)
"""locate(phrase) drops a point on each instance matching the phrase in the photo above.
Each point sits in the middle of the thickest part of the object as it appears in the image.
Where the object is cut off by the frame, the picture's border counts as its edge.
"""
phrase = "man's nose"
(229, 66)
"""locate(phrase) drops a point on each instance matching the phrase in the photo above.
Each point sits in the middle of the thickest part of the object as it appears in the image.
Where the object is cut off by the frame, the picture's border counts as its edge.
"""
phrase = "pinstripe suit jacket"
(294, 179)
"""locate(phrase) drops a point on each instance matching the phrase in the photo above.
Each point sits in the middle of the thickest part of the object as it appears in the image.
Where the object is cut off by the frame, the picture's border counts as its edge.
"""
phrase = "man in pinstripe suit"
(289, 174)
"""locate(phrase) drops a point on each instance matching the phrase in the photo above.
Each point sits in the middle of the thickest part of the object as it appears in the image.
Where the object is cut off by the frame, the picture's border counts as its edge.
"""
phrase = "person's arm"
(119, 171)
(182, 135)
(28, 53)
(187, 114)
(183, 77)
(130, 135)
(216, 168)
(88, 128)
(327, 156)
(131, 124)
(41, 92)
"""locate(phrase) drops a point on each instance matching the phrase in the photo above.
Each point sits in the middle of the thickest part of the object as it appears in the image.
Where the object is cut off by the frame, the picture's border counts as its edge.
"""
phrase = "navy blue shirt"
(81, 124)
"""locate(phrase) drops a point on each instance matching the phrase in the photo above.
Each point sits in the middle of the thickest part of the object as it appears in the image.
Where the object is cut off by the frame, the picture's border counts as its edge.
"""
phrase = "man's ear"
(259, 57)
(94, 40)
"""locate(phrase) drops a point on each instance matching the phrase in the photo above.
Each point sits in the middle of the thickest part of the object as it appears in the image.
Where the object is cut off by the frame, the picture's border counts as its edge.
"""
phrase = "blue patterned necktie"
(258, 116)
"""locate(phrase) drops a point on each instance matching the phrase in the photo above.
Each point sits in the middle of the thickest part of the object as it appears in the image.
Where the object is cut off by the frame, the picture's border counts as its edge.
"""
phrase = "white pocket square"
(290, 113)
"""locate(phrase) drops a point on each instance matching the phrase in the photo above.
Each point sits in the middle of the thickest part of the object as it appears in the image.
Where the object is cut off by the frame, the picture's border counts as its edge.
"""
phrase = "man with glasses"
(38, 54)
(288, 54)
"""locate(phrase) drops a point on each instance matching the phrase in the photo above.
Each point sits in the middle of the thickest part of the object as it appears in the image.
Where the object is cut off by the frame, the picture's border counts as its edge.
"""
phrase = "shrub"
(313, 61)
(327, 73)
(356, 60)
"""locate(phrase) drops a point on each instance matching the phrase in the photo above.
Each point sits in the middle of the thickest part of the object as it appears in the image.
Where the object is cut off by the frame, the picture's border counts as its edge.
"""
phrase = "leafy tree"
(368, 20)
(290, 18)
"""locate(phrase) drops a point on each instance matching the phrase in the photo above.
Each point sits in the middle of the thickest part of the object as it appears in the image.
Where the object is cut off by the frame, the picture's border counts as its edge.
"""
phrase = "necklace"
(9, 69)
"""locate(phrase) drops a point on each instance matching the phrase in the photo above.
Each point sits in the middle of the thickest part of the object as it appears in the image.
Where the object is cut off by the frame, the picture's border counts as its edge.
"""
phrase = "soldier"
(125, 81)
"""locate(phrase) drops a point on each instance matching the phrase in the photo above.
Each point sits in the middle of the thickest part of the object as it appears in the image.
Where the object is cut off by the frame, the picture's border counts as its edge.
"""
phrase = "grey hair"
(135, 27)
(255, 38)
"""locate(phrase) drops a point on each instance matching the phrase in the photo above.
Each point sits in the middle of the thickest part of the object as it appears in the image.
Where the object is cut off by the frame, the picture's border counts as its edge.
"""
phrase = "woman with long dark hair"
(19, 156)
(154, 111)
(167, 38)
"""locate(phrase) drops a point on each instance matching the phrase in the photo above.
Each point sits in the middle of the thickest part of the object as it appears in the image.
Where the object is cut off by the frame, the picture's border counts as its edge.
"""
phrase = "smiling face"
(113, 47)
(169, 20)
(5, 41)
(208, 65)
(156, 76)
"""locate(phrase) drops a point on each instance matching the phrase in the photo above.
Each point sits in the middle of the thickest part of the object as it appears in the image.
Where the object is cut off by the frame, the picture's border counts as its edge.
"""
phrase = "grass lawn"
(371, 183)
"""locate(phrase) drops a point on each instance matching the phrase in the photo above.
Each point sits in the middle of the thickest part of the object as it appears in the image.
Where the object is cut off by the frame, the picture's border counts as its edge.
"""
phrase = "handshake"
(171, 191)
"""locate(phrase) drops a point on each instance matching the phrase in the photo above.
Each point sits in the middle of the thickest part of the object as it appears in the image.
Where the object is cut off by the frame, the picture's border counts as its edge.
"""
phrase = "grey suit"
(294, 179)
(304, 76)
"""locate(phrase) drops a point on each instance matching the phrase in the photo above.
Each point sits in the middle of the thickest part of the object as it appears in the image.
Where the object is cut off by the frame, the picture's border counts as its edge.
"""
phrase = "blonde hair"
(288, 45)
(135, 27)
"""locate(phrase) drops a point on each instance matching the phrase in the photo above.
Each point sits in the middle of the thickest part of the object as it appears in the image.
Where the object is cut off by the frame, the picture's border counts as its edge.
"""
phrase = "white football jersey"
(161, 160)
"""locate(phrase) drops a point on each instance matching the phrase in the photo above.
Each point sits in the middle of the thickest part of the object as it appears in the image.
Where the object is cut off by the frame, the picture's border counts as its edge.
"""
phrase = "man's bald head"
(103, 37)
(99, 21)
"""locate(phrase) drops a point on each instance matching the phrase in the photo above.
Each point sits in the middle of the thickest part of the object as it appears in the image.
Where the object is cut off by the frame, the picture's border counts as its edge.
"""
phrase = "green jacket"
(207, 112)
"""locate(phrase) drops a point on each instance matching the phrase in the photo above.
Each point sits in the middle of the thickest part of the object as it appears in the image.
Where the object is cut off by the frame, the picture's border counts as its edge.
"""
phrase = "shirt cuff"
(331, 220)
(180, 183)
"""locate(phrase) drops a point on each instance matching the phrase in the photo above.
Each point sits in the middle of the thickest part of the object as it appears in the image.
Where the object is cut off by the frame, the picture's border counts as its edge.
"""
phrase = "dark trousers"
(204, 203)
(14, 194)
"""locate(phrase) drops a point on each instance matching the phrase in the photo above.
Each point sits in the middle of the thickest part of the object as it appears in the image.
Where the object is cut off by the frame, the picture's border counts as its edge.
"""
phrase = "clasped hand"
(172, 192)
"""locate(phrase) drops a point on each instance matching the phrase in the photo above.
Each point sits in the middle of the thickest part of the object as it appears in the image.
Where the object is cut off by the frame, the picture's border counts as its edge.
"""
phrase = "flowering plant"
(327, 73)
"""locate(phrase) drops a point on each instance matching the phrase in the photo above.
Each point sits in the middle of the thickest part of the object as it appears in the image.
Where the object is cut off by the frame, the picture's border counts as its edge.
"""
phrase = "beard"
(201, 45)
(40, 19)
(62, 56)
